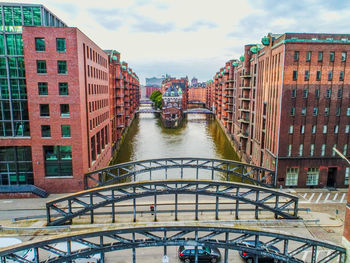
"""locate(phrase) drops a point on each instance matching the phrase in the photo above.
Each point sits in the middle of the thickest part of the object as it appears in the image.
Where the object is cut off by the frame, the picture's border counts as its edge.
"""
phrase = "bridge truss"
(200, 168)
(100, 241)
(281, 205)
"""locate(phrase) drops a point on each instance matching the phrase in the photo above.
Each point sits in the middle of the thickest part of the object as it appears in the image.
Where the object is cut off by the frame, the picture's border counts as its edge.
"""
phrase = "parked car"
(74, 247)
(205, 254)
(10, 241)
(250, 257)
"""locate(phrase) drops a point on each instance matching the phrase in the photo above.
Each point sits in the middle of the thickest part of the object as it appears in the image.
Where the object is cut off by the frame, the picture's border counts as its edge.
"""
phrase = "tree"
(156, 97)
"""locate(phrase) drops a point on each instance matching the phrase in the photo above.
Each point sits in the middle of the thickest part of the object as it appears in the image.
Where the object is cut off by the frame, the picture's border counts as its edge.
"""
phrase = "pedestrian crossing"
(319, 198)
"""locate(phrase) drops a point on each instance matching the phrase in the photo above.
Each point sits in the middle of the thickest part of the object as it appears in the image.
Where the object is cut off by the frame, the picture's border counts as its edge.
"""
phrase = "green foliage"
(156, 97)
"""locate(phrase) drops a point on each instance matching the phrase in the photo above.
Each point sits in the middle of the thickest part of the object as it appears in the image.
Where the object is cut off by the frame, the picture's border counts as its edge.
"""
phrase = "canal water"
(199, 136)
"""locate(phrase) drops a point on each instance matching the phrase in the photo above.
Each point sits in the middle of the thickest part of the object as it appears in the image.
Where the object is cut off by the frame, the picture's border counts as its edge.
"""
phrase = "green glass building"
(16, 161)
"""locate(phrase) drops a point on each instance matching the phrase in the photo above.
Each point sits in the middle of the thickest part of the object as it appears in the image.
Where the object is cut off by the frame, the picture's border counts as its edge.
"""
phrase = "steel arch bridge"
(198, 111)
(281, 205)
(100, 241)
(132, 170)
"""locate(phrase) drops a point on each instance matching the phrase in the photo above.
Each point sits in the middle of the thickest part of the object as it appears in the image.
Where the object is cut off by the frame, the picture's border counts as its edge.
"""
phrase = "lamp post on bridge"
(346, 237)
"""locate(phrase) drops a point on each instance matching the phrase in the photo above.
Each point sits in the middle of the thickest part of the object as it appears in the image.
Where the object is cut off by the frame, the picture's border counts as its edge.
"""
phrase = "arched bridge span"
(200, 168)
(100, 241)
(63, 210)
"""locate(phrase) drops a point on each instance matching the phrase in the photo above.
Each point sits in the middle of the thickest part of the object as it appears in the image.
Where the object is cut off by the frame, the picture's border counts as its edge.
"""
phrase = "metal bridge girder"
(290, 247)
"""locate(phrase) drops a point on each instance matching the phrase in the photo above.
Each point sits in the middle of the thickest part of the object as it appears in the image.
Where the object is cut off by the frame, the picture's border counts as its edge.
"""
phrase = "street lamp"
(341, 155)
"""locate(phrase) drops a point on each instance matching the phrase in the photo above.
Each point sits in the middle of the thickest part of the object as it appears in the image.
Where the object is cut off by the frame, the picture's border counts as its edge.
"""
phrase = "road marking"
(335, 196)
(318, 198)
(311, 197)
(342, 198)
(325, 200)
(304, 195)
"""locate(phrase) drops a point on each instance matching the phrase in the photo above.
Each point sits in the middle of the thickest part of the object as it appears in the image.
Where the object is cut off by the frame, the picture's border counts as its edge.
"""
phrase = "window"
(326, 111)
(303, 111)
(289, 150)
(347, 128)
(42, 88)
(336, 128)
(345, 149)
(41, 67)
(341, 75)
(323, 149)
(292, 111)
(312, 149)
(65, 131)
(295, 74)
(296, 55)
(328, 93)
(338, 111)
(44, 110)
(63, 88)
(312, 176)
(320, 56)
(318, 75)
(60, 44)
(62, 67)
(315, 111)
(39, 44)
(348, 112)
(331, 56)
(343, 56)
(313, 129)
(301, 148)
(324, 129)
(58, 160)
(64, 110)
(291, 128)
(292, 176)
(334, 147)
(317, 93)
(346, 177)
(45, 131)
(93, 149)
(306, 92)
(302, 129)
(330, 75)
(306, 78)
(294, 93)
(340, 93)
(308, 56)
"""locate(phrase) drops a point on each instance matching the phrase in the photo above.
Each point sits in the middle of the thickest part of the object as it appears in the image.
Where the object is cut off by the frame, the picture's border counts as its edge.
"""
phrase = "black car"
(250, 257)
(205, 254)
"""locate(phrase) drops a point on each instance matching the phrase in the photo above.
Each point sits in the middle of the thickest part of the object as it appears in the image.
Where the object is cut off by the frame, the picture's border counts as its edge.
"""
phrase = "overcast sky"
(193, 37)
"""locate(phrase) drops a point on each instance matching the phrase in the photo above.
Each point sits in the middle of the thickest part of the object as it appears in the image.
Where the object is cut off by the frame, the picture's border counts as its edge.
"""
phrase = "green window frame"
(60, 44)
(45, 131)
(320, 56)
(330, 75)
(62, 67)
(43, 89)
(65, 131)
(41, 67)
(39, 44)
(318, 75)
(341, 76)
(63, 88)
(44, 110)
(64, 108)
(58, 160)
(331, 56)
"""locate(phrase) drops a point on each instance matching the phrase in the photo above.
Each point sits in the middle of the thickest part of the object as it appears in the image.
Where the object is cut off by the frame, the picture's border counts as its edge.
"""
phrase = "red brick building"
(290, 107)
(346, 238)
(197, 94)
(181, 83)
(150, 89)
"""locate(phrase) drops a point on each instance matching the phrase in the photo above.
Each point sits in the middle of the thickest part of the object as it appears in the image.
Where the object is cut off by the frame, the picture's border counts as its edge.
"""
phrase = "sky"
(193, 37)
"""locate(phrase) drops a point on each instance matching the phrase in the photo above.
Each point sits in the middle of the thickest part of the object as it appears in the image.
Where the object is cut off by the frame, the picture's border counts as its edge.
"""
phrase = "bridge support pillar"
(346, 244)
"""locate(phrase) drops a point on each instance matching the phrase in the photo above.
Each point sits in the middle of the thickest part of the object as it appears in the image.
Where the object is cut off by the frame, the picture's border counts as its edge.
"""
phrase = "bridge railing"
(180, 168)
(239, 196)
(278, 246)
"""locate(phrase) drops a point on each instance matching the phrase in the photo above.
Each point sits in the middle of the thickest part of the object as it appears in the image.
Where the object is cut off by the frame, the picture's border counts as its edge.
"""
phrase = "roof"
(172, 92)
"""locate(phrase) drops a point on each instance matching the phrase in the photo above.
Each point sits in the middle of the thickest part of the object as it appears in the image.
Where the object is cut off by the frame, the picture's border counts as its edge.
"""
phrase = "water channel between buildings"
(200, 136)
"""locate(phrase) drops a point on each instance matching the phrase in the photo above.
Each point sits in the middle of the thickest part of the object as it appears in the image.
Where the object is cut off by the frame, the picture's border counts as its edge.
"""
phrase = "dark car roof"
(251, 243)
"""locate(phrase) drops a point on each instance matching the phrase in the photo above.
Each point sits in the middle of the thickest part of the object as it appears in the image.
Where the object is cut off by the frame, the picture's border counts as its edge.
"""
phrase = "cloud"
(197, 25)
(111, 19)
(148, 25)
(291, 16)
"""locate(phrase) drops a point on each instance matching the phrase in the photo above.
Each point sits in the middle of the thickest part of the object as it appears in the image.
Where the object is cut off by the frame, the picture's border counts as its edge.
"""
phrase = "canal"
(199, 136)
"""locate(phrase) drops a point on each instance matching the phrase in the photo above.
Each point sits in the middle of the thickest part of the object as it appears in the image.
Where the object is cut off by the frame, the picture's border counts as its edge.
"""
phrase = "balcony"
(243, 135)
(243, 120)
(244, 109)
(248, 88)
(246, 75)
(228, 96)
(120, 105)
(121, 125)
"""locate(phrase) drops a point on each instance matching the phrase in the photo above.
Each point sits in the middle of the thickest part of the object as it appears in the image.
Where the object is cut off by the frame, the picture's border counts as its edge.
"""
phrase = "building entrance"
(332, 172)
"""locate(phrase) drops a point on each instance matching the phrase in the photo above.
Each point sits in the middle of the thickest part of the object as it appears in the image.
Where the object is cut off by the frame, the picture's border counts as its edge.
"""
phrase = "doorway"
(332, 173)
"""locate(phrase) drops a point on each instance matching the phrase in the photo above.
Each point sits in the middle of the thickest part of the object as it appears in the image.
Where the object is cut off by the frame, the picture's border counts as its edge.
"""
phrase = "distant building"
(181, 83)
(153, 84)
(194, 81)
(172, 113)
